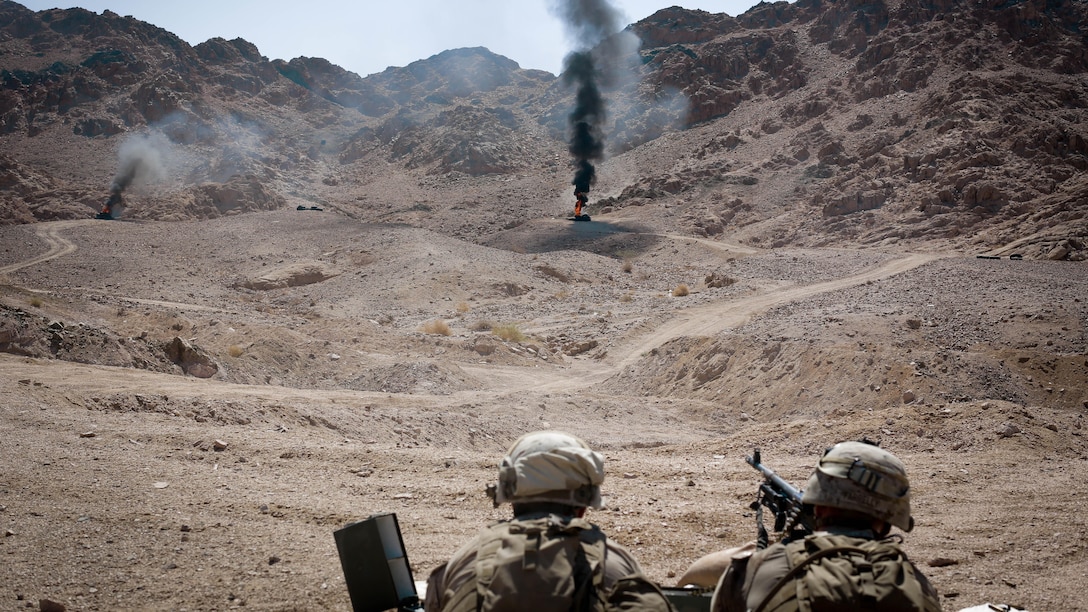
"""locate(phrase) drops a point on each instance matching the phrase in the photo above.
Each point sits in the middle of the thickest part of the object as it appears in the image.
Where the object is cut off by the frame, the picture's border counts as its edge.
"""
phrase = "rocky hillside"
(942, 123)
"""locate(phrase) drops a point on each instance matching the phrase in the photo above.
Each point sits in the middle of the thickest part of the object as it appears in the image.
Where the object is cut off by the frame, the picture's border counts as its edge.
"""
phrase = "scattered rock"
(296, 274)
(908, 397)
(1008, 430)
(88, 434)
(577, 348)
(48, 605)
(219, 446)
(161, 485)
(942, 562)
(193, 360)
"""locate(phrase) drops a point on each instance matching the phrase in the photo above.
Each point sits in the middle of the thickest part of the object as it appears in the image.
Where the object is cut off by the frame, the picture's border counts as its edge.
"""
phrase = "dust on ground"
(128, 484)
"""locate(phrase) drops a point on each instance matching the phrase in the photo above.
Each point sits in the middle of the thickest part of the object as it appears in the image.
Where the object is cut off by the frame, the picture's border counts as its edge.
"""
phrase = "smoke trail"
(588, 22)
(586, 140)
(140, 161)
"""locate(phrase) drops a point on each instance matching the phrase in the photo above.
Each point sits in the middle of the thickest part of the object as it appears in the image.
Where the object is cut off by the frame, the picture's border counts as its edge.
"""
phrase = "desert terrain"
(329, 295)
(145, 488)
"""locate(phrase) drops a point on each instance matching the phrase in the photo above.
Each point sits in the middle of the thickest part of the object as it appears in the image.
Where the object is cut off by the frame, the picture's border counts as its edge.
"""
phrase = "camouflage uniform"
(856, 491)
(750, 579)
(547, 557)
(619, 567)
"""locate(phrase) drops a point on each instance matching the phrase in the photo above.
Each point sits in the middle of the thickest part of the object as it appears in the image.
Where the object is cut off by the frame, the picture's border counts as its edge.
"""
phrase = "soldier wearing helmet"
(857, 492)
(548, 556)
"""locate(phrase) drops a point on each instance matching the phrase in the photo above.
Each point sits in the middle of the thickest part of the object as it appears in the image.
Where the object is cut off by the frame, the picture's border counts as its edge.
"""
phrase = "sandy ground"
(126, 484)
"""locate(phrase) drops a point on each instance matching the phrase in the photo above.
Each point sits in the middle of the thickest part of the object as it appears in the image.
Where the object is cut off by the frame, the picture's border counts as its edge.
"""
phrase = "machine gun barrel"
(783, 486)
(783, 499)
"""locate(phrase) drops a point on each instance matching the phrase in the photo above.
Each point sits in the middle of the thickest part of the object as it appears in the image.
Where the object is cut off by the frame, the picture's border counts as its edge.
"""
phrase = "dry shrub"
(235, 351)
(36, 302)
(627, 297)
(681, 290)
(438, 326)
(482, 325)
(462, 307)
(508, 332)
(628, 265)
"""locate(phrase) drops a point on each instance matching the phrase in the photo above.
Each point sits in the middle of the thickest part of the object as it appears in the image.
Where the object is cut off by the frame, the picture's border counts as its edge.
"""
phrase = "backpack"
(546, 564)
(839, 572)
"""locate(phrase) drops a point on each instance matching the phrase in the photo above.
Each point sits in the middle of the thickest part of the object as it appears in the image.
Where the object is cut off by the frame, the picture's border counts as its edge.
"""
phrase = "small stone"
(8, 533)
(908, 396)
(403, 496)
(48, 605)
(88, 434)
(690, 483)
(273, 560)
(1008, 430)
(161, 485)
(942, 562)
(630, 475)
(219, 446)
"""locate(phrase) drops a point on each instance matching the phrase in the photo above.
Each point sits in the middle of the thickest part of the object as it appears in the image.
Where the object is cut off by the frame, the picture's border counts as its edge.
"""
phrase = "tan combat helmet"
(551, 466)
(862, 477)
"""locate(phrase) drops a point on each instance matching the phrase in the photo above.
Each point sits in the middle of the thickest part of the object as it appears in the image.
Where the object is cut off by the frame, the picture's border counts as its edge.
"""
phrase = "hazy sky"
(367, 37)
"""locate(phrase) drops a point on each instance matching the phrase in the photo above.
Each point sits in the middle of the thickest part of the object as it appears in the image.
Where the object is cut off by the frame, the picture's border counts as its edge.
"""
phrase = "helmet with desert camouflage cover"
(550, 466)
(862, 477)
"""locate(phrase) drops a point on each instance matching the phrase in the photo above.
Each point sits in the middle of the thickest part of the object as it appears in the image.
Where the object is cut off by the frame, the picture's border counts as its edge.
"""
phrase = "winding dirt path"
(50, 233)
(703, 320)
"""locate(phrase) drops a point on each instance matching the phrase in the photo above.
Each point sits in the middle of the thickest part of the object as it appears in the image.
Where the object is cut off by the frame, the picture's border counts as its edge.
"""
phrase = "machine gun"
(791, 517)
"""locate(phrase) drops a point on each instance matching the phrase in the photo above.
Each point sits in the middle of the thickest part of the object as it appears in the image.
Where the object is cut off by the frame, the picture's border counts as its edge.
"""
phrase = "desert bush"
(627, 297)
(628, 265)
(508, 332)
(462, 307)
(438, 326)
(235, 351)
(36, 302)
(681, 290)
(482, 325)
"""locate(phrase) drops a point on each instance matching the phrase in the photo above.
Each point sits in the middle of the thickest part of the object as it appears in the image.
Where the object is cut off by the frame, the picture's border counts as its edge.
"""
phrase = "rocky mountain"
(945, 124)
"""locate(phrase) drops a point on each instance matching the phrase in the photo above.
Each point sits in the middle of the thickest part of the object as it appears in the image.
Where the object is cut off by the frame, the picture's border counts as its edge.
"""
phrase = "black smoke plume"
(586, 139)
(139, 160)
(589, 22)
